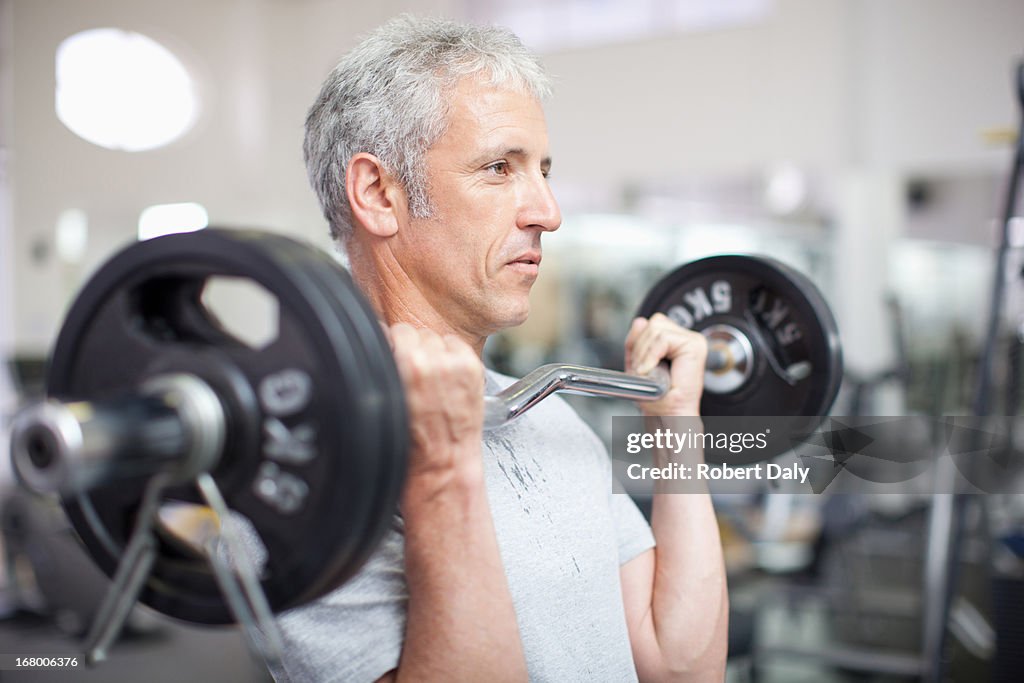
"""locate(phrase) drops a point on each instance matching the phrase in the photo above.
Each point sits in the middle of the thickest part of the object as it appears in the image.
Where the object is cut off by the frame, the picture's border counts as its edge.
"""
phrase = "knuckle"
(416, 369)
(695, 339)
(404, 356)
(430, 339)
(403, 330)
(453, 342)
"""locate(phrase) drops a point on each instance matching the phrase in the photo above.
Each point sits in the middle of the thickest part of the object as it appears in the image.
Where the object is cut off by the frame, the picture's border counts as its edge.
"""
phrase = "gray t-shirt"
(562, 535)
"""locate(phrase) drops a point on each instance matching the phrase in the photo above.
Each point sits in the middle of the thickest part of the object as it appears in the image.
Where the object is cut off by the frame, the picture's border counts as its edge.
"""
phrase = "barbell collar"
(175, 422)
(730, 359)
(718, 359)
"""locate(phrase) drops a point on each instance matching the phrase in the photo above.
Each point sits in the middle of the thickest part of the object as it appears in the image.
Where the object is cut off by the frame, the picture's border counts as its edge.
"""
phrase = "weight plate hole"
(242, 309)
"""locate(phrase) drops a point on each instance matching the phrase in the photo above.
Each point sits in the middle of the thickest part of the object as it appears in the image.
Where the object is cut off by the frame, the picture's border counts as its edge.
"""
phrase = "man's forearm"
(689, 604)
(677, 605)
(461, 624)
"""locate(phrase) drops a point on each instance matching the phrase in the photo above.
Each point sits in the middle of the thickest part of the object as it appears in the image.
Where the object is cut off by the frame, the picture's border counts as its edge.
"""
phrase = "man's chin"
(513, 316)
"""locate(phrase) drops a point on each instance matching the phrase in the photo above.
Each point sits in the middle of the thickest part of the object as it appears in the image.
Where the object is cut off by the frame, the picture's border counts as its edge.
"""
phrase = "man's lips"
(527, 265)
(531, 258)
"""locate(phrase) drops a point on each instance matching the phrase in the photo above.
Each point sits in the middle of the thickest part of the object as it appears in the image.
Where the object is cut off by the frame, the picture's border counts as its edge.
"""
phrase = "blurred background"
(865, 142)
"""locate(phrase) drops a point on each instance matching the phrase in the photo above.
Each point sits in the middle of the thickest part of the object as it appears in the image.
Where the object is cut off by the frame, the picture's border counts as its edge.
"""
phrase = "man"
(512, 558)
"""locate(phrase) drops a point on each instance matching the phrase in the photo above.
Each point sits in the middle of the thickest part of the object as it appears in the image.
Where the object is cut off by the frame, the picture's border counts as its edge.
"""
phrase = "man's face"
(476, 258)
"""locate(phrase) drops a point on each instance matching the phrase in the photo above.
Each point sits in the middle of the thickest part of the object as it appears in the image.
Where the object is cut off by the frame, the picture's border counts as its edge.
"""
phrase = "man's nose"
(540, 208)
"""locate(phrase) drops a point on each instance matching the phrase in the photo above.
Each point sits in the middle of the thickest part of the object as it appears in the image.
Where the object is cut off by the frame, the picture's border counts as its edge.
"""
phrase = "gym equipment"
(948, 514)
(769, 323)
(773, 344)
(157, 412)
(155, 385)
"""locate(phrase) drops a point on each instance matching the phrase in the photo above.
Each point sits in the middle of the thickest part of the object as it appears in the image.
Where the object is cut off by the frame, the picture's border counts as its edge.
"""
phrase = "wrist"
(686, 410)
(443, 508)
(462, 477)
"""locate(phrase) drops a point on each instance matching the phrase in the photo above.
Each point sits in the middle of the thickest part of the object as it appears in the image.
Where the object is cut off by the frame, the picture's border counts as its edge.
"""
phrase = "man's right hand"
(444, 391)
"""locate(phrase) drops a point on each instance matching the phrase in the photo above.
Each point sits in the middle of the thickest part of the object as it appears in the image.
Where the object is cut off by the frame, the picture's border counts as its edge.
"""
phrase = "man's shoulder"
(552, 417)
(497, 381)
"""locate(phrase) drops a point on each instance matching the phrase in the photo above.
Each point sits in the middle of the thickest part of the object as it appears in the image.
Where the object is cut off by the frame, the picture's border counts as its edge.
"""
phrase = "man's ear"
(377, 200)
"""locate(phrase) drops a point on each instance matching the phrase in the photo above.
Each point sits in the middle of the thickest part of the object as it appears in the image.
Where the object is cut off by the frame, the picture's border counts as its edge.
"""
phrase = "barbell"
(154, 405)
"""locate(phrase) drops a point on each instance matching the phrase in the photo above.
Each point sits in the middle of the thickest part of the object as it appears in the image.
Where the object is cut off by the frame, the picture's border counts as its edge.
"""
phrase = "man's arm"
(677, 606)
(675, 595)
(461, 624)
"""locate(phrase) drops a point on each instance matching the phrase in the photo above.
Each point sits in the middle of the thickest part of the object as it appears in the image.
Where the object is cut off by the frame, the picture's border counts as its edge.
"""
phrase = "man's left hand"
(653, 340)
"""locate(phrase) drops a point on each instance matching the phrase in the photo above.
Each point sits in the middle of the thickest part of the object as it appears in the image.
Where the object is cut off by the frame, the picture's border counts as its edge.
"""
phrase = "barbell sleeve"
(173, 422)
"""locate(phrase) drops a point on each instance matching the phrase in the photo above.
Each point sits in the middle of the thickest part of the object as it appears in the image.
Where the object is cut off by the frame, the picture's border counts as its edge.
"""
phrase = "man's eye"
(499, 167)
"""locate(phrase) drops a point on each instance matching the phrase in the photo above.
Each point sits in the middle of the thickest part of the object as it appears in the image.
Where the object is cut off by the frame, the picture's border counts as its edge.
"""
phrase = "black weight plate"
(140, 316)
(780, 310)
(393, 435)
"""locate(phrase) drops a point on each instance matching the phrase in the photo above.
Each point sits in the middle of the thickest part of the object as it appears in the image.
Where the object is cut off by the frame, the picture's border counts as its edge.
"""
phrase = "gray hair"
(388, 97)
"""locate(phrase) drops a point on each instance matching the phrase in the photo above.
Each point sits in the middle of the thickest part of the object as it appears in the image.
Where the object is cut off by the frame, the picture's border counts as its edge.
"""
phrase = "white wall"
(719, 101)
(839, 86)
(7, 396)
(934, 75)
(908, 85)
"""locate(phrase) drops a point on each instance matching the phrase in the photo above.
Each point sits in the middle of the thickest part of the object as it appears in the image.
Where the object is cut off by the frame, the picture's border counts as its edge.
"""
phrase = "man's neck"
(397, 299)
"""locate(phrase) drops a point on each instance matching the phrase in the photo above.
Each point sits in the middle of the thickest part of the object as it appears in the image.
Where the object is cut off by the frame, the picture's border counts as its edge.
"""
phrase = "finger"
(466, 366)
(411, 355)
(456, 344)
(431, 355)
(660, 318)
(678, 338)
(635, 329)
(650, 343)
(403, 339)
(654, 350)
(402, 328)
(465, 377)
(671, 342)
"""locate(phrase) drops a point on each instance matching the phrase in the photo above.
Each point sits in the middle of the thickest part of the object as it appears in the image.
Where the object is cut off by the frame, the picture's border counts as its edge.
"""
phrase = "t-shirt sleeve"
(634, 533)
(354, 633)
